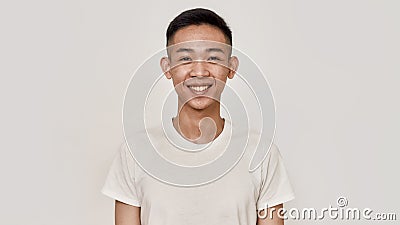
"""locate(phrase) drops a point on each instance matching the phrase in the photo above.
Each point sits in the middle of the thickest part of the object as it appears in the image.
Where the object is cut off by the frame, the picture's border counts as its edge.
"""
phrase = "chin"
(200, 103)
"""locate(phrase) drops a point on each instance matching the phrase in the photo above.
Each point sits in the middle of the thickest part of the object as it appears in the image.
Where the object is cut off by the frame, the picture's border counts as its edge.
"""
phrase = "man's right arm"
(126, 214)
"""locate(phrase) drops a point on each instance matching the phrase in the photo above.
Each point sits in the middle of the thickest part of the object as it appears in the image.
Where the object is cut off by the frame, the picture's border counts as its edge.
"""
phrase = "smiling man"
(199, 63)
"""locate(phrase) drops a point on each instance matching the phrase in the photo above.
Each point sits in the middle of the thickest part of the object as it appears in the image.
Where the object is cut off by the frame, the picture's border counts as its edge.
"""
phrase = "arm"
(267, 220)
(126, 214)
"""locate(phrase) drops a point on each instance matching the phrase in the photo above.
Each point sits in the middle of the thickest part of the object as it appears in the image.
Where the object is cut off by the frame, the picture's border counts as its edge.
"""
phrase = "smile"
(199, 88)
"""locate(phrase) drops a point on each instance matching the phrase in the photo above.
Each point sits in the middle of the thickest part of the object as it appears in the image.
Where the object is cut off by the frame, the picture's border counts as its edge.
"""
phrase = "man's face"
(199, 64)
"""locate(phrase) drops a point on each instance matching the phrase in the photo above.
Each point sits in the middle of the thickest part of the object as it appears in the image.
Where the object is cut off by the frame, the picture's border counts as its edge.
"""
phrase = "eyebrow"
(207, 50)
(214, 50)
(185, 50)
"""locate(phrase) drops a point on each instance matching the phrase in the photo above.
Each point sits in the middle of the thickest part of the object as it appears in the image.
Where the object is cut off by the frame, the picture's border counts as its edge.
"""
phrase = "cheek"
(178, 75)
(221, 73)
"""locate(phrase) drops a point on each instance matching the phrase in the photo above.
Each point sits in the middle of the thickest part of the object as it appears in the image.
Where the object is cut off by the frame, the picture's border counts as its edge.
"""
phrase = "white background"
(333, 67)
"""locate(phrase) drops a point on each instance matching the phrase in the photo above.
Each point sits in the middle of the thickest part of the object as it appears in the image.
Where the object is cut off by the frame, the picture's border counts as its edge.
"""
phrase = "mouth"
(199, 89)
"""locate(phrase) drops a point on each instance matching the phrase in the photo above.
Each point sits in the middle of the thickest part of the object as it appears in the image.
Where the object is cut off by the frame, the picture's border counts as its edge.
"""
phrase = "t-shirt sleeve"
(275, 187)
(120, 181)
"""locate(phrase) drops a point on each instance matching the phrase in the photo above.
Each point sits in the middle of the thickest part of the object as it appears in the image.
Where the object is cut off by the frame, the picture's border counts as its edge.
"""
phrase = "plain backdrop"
(333, 67)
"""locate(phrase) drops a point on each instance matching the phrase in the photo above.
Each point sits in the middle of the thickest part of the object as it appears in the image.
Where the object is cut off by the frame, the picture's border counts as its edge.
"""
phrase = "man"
(199, 63)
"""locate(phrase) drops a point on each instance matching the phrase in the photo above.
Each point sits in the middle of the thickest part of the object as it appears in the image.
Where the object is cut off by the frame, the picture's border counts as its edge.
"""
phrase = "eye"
(214, 58)
(185, 59)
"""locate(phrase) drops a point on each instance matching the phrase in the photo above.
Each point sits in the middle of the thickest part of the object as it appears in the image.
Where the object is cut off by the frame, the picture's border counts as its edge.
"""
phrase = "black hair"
(198, 16)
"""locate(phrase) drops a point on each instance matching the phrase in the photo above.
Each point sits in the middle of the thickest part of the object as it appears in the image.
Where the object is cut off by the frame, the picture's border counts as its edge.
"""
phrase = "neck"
(199, 126)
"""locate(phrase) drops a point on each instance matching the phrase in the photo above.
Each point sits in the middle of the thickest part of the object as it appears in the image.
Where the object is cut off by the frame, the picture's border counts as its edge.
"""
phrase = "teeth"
(199, 88)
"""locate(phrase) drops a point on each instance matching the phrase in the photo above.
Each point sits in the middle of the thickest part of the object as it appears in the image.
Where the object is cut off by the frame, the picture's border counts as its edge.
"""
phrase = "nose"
(199, 68)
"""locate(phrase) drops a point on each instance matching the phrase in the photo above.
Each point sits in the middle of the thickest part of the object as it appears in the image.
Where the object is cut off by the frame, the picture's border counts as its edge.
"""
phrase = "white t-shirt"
(233, 199)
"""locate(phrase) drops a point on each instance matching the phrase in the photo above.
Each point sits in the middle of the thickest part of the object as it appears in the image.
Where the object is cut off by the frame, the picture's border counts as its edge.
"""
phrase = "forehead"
(199, 47)
(198, 32)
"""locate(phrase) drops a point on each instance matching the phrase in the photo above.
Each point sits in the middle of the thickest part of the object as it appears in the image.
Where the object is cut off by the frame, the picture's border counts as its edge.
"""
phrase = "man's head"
(197, 17)
(199, 57)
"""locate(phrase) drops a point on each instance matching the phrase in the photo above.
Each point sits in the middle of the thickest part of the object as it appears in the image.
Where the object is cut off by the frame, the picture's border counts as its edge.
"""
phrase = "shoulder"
(261, 150)
(124, 158)
(273, 153)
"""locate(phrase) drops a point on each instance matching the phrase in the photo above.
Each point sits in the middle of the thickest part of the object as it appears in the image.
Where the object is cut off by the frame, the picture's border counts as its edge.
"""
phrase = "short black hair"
(198, 16)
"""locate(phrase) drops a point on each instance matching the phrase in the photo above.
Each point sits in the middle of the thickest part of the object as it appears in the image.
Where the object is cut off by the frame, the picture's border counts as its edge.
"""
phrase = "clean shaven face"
(199, 63)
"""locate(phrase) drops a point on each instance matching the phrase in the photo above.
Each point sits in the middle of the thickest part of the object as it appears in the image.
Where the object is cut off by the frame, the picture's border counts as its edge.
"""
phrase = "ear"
(166, 66)
(233, 65)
